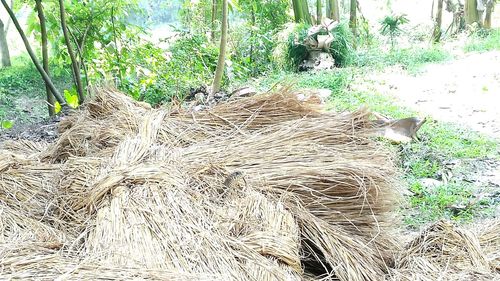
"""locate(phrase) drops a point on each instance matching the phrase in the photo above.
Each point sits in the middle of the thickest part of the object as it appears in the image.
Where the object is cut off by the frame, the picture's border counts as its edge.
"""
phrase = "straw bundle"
(443, 252)
(260, 188)
(26, 186)
(488, 233)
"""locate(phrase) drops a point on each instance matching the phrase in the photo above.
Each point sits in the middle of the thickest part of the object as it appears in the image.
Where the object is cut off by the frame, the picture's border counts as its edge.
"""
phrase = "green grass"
(483, 41)
(22, 91)
(411, 59)
(453, 201)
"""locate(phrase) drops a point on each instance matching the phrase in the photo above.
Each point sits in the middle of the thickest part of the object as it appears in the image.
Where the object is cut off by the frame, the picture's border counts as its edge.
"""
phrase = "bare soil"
(463, 91)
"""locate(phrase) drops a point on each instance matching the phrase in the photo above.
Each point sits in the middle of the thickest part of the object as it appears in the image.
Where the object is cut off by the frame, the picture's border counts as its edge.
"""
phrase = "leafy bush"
(253, 42)
(341, 48)
(296, 51)
(391, 26)
(189, 63)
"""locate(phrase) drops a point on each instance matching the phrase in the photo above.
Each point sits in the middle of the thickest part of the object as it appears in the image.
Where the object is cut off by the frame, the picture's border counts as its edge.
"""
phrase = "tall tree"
(74, 63)
(353, 17)
(4, 45)
(214, 17)
(319, 11)
(436, 34)
(333, 9)
(471, 14)
(297, 10)
(219, 71)
(45, 55)
(489, 10)
(301, 11)
(44, 75)
(305, 12)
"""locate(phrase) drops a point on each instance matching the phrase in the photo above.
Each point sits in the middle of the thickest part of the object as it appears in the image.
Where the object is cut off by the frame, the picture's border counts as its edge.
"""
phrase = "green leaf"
(57, 107)
(7, 124)
(71, 98)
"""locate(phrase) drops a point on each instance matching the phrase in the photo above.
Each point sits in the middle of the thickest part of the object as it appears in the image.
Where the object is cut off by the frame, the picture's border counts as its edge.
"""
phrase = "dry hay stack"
(443, 251)
(261, 188)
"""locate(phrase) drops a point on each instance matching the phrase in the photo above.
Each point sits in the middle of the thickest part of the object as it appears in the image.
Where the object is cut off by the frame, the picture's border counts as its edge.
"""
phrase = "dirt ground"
(462, 91)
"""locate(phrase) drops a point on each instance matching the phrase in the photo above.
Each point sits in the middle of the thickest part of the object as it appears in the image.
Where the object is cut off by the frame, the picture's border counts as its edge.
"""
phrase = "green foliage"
(297, 51)
(253, 42)
(391, 26)
(483, 40)
(22, 91)
(7, 124)
(342, 48)
(191, 62)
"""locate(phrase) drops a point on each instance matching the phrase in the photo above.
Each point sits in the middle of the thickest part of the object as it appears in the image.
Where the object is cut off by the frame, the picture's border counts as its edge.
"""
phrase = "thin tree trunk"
(214, 19)
(45, 56)
(74, 63)
(7, 26)
(4, 46)
(333, 10)
(252, 34)
(319, 11)
(44, 75)
(297, 10)
(489, 10)
(305, 12)
(117, 52)
(471, 14)
(219, 71)
(436, 35)
(352, 18)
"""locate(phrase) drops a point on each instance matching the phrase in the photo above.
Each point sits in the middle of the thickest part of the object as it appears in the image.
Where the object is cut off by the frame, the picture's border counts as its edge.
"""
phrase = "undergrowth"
(22, 91)
(484, 40)
(410, 59)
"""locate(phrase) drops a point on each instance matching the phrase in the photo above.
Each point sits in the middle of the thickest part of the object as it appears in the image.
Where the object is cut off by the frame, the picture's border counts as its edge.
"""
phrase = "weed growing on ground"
(410, 59)
(483, 41)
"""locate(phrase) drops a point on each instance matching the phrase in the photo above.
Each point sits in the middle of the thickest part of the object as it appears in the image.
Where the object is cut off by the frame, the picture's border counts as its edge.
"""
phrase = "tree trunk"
(74, 63)
(319, 11)
(436, 35)
(297, 10)
(219, 71)
(333, 10)
(489, 10)
(471, 14)
(45, 55)
(352, 18)
(305, 12)
(214, 17)
(4, 46)
(44, 75)
(252, 34)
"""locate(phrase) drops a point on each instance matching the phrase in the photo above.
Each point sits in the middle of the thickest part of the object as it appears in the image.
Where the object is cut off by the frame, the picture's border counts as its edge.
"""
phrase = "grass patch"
(22, 91)
(411, 59)
(483, 41)
(453, 201)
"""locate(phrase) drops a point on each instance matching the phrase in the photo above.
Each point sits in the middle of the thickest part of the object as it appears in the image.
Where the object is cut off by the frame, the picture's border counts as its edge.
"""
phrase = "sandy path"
(463, 91)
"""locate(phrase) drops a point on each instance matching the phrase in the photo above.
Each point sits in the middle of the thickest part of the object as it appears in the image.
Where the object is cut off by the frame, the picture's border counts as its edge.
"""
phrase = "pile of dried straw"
(260, 188)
